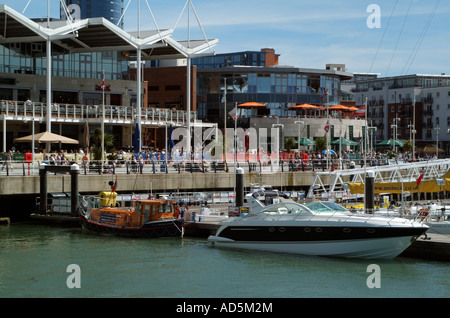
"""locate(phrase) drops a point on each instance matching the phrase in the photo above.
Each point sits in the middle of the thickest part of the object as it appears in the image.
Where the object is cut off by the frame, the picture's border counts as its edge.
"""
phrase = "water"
(34, 260)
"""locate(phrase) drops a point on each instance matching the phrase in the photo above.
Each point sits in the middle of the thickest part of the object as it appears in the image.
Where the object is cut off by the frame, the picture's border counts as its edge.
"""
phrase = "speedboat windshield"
(321, 207)
(283, 207)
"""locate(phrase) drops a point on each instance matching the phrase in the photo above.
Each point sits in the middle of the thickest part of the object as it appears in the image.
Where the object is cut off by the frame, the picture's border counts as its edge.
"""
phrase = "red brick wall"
(166, 87)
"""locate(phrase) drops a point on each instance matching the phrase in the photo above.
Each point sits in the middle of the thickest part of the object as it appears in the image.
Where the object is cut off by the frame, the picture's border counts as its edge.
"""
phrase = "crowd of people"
(295, 161)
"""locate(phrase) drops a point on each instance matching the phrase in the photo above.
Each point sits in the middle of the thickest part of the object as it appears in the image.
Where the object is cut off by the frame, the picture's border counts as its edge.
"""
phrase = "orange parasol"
(306, 107)
(251, 105)
(340, 107)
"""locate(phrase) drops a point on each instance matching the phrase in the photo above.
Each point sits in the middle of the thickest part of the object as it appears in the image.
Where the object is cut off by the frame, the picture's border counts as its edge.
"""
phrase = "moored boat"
(322, 229)
(146, 218)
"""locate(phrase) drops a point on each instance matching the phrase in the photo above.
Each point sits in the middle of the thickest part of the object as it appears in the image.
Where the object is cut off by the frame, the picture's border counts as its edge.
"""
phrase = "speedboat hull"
(364, 242)
(162, 228)
(382, 248)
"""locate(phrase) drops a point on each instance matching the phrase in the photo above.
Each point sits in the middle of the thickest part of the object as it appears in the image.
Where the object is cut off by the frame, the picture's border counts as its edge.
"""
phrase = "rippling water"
(34, 260)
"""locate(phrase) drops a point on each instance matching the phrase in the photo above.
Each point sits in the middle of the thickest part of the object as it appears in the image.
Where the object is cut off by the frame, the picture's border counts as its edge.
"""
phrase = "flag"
(419, 179)
(361, 111)
(234, 114)
(327, 126)
(103, 82)
(325, 94)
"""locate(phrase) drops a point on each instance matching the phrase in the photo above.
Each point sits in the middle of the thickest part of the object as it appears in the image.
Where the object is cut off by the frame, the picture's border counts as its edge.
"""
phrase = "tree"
(289, 144)
(321, 143)
(96, 142)
(407, 146)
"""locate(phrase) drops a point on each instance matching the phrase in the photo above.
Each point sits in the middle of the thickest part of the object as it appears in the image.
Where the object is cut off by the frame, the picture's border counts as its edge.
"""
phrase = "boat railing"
(328, 216)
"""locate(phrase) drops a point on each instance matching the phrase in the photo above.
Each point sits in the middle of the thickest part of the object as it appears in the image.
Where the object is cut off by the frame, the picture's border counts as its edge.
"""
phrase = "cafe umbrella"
(47, 137)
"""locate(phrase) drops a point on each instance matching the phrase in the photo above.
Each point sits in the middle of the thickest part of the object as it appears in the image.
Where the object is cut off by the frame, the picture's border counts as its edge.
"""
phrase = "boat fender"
(128, 219)
(423, 213)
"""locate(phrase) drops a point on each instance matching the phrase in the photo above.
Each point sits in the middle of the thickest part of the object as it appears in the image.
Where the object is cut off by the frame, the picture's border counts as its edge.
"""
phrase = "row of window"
(414, 81)
(17, 58)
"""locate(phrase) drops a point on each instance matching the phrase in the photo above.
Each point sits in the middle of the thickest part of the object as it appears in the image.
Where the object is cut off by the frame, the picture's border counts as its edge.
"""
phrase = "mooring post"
(239, 187)
(74, 172)
(369, 191)
(43, 189)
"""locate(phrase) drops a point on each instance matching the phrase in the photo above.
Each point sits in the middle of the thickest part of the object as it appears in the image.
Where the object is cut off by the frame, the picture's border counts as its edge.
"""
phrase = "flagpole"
(364, 154)
(234, 148)
(103, 121)
(225, 120)
(414, 130)
(328, 135)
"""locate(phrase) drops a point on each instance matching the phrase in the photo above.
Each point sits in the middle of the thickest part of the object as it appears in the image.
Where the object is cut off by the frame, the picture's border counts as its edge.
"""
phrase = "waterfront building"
(80, 62)
(232, 77)
(410, 107)
(228, 79)
(264, 81)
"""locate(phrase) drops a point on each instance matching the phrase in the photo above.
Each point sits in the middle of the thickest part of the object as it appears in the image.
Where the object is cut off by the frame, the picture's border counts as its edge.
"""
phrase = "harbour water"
(34, 261)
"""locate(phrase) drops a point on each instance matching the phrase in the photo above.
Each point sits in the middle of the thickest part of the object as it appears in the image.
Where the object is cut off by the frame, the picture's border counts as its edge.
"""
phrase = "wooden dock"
(434, 247)
(200, 229)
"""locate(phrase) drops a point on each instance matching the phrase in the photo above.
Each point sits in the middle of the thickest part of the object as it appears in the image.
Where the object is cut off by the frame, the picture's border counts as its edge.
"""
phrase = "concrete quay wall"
(20, 185)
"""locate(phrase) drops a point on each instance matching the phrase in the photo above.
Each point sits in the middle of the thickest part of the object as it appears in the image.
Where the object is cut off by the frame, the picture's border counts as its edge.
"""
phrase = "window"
(173, 88)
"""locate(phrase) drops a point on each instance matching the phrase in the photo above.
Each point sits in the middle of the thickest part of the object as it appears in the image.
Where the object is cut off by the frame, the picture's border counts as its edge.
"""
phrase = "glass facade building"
(254, 76)
(277, 87)
(109, 9)
(29, 58)
(248, 58)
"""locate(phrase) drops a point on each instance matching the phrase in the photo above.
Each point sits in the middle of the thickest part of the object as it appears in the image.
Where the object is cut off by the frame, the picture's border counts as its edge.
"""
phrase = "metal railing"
(37, 110)
(129, 166)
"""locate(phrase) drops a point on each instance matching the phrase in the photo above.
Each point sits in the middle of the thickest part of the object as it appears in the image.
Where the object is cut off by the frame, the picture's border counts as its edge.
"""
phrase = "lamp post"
(437, 139)
(299, 122)
(372, 131)
(394, 127)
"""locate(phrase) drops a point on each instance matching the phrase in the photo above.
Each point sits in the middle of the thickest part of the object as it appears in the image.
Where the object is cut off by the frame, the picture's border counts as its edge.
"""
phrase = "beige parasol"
(47, 137)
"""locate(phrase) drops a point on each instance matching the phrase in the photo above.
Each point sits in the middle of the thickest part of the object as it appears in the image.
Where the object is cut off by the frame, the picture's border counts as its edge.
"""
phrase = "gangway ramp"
(329, 182)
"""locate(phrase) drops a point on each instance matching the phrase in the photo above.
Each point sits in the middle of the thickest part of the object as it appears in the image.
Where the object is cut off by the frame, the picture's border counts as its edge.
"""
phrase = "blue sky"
(413, 37)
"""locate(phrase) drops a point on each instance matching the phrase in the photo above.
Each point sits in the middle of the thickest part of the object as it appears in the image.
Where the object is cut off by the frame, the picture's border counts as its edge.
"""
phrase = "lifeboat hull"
(160, 228)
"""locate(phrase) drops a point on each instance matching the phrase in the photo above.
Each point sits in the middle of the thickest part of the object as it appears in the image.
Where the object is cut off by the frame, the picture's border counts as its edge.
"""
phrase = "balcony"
(76, 113)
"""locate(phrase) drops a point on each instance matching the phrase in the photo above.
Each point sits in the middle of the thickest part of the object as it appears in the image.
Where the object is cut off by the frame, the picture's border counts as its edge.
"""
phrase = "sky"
(392, 38)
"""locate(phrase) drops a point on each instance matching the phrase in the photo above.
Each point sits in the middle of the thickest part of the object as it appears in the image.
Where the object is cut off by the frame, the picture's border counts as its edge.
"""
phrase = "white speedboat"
(319, 228)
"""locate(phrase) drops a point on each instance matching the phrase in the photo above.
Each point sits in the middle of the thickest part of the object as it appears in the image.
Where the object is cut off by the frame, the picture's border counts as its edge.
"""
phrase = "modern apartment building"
(397, 105)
